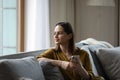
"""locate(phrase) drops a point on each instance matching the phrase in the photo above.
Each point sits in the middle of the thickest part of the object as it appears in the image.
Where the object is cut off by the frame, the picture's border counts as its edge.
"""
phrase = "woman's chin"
(57, 43)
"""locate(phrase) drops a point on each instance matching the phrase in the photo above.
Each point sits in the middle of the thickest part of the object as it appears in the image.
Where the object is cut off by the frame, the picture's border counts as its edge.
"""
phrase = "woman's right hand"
(64, 64)
(59, 63)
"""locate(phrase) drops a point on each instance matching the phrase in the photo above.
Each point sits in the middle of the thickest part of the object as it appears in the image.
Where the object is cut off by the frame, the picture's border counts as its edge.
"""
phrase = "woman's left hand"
(77, 67)
(74, 66)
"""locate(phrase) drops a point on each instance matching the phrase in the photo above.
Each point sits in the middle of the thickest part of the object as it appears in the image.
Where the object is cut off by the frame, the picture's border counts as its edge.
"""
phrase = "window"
(8, 27)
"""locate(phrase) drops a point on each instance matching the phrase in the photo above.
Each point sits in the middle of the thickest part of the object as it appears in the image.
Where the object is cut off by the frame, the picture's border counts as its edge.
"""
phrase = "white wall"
(99, 22)
(60, 10)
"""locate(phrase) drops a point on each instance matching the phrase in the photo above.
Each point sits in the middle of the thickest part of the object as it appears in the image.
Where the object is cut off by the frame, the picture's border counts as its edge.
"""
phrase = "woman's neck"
(65, 49)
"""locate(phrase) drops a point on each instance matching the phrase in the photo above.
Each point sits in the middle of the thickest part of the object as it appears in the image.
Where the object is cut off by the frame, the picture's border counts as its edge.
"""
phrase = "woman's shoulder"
(49, 53)
(50, 50)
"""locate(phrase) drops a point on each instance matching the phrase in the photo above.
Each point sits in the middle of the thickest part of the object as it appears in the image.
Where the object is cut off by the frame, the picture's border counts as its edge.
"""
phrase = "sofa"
(105, 61)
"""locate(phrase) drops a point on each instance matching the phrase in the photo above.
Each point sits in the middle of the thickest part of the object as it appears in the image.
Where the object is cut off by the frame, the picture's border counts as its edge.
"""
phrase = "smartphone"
(75, 58)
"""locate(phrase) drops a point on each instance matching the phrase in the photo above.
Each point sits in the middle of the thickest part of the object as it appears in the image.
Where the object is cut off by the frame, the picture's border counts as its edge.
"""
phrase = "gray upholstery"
(22, 54)
(110, 59)
(98, 63)
(50, 71)
(47, 67)
(26, 68)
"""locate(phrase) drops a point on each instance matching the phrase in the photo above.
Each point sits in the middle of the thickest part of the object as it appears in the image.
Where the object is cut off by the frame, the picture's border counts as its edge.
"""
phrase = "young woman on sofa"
(73, 62)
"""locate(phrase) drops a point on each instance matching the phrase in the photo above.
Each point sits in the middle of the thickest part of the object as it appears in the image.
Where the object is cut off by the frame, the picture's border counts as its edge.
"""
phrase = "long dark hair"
(68, 29)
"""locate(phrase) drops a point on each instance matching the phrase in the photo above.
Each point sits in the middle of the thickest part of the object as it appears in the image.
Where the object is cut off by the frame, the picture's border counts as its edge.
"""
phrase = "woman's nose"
(56, 35)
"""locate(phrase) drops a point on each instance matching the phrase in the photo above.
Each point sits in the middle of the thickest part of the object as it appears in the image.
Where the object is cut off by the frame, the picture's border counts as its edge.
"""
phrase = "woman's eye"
(60, 32)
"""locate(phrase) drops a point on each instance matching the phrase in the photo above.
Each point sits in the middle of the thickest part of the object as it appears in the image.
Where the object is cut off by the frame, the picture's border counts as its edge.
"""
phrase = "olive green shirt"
(70, 75)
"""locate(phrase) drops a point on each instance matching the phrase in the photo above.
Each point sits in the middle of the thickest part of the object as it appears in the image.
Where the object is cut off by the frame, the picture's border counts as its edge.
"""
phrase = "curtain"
(36, 25)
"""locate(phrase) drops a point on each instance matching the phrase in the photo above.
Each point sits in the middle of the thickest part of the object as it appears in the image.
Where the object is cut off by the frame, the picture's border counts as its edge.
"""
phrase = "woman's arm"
(68, 66)
(76, 65)
(59, 63)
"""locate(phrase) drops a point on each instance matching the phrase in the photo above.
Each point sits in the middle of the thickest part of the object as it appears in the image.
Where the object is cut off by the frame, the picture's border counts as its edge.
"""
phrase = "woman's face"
(60, 37)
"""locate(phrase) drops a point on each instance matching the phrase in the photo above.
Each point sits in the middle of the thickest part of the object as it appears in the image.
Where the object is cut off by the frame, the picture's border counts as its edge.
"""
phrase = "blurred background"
(28, 25)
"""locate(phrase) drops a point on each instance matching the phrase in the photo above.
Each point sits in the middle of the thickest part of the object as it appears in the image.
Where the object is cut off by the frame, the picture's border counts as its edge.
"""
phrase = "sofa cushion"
(110, 60)
(20, 69)
(50, 71)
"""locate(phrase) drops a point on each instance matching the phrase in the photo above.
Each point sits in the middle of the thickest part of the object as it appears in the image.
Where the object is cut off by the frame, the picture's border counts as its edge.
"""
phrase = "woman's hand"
(75, 63)
(74, 66)
(78, 68)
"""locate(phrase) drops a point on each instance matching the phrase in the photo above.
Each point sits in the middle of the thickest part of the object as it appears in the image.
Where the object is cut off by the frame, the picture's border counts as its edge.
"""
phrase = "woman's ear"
(70, 36)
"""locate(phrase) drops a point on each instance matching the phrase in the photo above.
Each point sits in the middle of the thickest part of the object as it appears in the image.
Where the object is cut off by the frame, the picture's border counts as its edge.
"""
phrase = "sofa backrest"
(110, 60)
(22, 54)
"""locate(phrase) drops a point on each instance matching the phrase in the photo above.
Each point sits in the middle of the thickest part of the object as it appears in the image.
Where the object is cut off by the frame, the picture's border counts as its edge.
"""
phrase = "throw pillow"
(50, 71)
(110, 60)
(20, 69)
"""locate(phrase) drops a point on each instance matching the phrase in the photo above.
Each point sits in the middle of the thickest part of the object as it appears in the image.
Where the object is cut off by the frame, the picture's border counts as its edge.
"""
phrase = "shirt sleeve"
(47, 54)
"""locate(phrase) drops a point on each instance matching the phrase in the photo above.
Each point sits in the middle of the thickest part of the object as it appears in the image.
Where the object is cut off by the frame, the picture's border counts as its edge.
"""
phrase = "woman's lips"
(56, 40)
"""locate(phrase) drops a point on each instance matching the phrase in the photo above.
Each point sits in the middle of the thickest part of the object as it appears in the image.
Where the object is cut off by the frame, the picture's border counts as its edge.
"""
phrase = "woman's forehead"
(59, 28)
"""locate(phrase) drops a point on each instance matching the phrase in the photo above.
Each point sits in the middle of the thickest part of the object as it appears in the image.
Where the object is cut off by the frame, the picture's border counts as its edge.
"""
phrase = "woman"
(64, 55)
